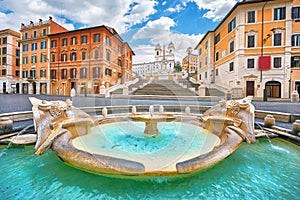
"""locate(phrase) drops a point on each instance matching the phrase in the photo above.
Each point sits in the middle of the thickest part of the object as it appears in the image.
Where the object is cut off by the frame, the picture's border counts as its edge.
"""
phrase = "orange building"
(255, 48)
(190, 62)
(87, 58)
(35, 65)
(9, 61)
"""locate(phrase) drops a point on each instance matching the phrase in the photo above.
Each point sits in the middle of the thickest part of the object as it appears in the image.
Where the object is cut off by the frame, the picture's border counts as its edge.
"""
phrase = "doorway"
(273, 89)
(250, 88)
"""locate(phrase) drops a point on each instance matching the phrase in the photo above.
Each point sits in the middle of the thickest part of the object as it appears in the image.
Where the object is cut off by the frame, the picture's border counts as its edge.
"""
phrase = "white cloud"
(119, 14)
(177, 8)
(216, 9)
(158, 31)
(164, 3)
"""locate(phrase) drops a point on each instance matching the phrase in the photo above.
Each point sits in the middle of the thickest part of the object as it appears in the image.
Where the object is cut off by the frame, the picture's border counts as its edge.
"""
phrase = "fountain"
(149, 144)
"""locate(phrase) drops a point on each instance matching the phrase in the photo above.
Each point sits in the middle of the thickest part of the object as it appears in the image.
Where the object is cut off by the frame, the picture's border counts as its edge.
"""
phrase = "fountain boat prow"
(226, 125)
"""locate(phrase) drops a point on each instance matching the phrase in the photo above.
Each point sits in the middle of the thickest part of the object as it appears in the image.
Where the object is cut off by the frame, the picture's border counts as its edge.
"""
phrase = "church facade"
(164, 61)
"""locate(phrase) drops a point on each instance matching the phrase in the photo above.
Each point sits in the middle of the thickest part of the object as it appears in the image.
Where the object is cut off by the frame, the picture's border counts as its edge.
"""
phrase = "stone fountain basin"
(63, 129)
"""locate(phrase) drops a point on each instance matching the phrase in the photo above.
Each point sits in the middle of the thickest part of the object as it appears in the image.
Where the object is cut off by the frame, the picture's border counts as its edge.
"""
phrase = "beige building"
(9, 61)
(254, 49)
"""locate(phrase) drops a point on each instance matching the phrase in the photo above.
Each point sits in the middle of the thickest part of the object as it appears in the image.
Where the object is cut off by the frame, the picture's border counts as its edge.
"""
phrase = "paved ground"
(17, 102)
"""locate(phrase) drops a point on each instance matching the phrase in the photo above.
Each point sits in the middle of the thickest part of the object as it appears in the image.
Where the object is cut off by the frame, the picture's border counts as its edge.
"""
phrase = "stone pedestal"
(295, 97)
(296, 126)
(6, 125)
(201, 90)
(269, 121)
(125, 90)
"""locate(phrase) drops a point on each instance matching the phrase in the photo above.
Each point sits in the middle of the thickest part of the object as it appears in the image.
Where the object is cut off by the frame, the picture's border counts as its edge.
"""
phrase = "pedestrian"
(73, 93)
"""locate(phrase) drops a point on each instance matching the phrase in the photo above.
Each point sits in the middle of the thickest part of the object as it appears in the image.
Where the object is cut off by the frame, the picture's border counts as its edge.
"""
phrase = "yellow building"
(254, 48)
(190, 62)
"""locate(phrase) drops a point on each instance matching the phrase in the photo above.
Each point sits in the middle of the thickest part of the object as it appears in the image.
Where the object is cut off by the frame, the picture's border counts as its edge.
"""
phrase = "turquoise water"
(257, 171)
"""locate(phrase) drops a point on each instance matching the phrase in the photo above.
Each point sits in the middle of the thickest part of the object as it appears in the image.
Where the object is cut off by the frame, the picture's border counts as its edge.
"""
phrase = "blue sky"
(141, 23)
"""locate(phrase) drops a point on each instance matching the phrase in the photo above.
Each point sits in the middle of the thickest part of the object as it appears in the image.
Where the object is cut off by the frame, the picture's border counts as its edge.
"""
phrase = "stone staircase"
(214, 92)
(188, 83)
(130, 87)
(164, 87)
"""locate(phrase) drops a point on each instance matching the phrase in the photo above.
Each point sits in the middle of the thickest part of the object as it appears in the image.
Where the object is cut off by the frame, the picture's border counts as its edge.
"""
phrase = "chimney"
(40, 21)
(31, 24)
(50, 18)
(22, 25)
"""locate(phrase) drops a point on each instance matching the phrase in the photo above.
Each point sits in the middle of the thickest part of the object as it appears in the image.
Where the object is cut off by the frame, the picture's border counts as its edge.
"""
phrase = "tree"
(178, 67)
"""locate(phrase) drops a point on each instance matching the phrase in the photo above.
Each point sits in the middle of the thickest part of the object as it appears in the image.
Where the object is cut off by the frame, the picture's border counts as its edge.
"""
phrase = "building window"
(43, 57)
(251, 41)
(53, 74)
(83, 55)
(217, 38)
(96, 54)
(296, 40)
(32, 73)
(43, 45)
(83, 39)
(206, 60)
(206, 45)
(17, 73)
(251, 17)
(277, 62)
(25, 60)
(295, 12)
(96, 72)
(223, 53)
(279, 13)
(217, 72)
(64, 74)
(53, 58)
(73, 40)
(34, 34)
(200, 51)
(17, 52)
(26, 35)
(231, 47)
(18, 62)
(277, 39)
(231, 66)
(73, 56)
(64, 57)
(119, 62)
(64, 41)
(108, 55)
(34, 46)
(33, 59)
(44, 32)
(250, 63)
(25, 47)
(97, 37)
(3, 60)
(43, 73)
(120, 50)
(200, 65)
(295, 61)
(3, 72)
(25, 74)
(108, 72)
(205, 74)
(53, 43)
(83, 72)
(4, 50)
(231, 25)
(73, 73)
(4, 40)
(108, 40)
(217, 56)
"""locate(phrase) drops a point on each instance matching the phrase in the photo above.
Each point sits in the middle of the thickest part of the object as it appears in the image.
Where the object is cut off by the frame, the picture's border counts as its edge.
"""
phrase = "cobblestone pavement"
(18, 102)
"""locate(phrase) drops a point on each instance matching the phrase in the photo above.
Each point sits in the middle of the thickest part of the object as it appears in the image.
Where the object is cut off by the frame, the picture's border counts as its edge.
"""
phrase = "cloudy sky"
(141, 23)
